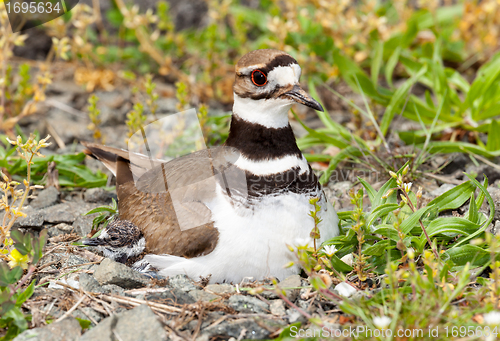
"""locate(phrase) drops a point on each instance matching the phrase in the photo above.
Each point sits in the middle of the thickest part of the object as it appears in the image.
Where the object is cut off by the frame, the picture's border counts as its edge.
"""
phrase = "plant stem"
(410, 204)
(6, 230)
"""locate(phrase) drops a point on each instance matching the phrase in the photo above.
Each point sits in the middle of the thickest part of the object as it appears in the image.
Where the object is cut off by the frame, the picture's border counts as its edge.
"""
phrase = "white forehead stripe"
(268, 167)
(285, 75)
(247, 69)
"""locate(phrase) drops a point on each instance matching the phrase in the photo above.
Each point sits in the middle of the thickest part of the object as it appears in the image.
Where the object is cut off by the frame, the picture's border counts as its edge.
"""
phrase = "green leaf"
(101, 209)
(377, 201)
(380, 211)
(344, 215)
(85, 324)
(451, 225)
(339, 265)
(492, 211)
(377, 62)
(459, 147)
(480, 198)
(454, 198)
(26, 294)
(467, 253)
(344, 154)
(5, 275)
(369, 189)
(473, 211)
(286, 333)
(18, 318)
(379, 248)
(391, 65)
(493, 143)
(38, 244)
(388, 231)
(409, 223)
(398, 99)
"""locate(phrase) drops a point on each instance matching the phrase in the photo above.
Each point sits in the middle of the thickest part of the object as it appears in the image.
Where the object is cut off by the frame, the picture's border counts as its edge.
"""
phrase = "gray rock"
(111, 272)
(46, 197)
(98, 195)
(174, 296)
(224, 288)
(491, 173)
(200, 295)
(441, 190)
(248, 304)
(341, 188)
(60, 213)
(56, 230)
(74, 261)
(235, 328)
(34, 218)
(295, 316)
(71, 129)
(291, 282)
(83, 225)
(182, 282)
(66, 330)
(139, 323)
(113, 289)
(89, 283)
(277, 307)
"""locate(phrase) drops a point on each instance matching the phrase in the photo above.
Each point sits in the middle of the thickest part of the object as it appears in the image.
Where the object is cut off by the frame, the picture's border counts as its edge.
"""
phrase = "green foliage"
(12, 291)
(106, 215)
(392, 226)
(72, 172)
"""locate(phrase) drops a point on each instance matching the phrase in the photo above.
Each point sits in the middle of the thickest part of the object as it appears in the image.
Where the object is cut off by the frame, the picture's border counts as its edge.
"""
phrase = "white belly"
(252, 240)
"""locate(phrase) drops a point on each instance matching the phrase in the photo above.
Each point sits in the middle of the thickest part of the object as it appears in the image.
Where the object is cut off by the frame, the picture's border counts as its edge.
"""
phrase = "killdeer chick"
(244, 236)
(119, 241)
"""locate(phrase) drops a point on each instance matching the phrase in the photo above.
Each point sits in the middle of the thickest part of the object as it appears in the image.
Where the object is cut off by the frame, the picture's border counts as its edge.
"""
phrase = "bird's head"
(119, 239)
(266, 86)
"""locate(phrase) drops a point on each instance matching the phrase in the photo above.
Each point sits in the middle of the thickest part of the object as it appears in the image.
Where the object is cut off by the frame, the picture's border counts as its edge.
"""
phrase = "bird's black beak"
(92, 242)
(300, 96)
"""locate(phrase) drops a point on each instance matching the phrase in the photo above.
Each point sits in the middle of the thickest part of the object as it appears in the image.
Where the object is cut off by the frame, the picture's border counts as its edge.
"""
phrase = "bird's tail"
(107, 155)
(120, 162)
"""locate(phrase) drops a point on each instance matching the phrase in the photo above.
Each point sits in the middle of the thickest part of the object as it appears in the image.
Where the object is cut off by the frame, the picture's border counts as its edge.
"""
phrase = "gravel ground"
(125, 305)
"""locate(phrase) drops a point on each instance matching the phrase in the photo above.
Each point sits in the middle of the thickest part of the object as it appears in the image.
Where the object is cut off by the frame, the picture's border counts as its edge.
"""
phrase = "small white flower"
(330, 250)
(492, 318)
(344, 289)
(381, 322)
(407, 187)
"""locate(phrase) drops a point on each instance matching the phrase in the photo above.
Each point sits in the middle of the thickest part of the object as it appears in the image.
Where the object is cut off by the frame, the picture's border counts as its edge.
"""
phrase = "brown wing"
(148, 202)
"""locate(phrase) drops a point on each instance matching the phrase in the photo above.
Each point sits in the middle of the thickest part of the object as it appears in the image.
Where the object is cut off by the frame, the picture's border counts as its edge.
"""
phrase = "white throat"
(271, 113)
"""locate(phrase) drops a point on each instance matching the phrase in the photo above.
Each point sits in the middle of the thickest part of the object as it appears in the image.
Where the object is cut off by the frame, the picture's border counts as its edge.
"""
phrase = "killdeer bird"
(119, 241)
(243, 235)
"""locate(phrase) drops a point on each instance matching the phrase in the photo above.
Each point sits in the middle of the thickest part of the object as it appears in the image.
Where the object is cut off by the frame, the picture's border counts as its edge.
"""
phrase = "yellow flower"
(17, 259)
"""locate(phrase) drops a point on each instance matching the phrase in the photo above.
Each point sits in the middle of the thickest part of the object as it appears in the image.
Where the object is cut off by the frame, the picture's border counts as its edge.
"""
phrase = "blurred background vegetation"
(402, 81)
(432, 62)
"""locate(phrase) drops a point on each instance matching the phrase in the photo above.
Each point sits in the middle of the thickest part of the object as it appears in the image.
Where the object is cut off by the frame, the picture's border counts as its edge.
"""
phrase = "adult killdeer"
(244, 235)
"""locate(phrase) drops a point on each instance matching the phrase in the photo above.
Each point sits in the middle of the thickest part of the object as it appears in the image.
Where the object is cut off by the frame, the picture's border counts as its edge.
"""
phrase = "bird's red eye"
(259, 78)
